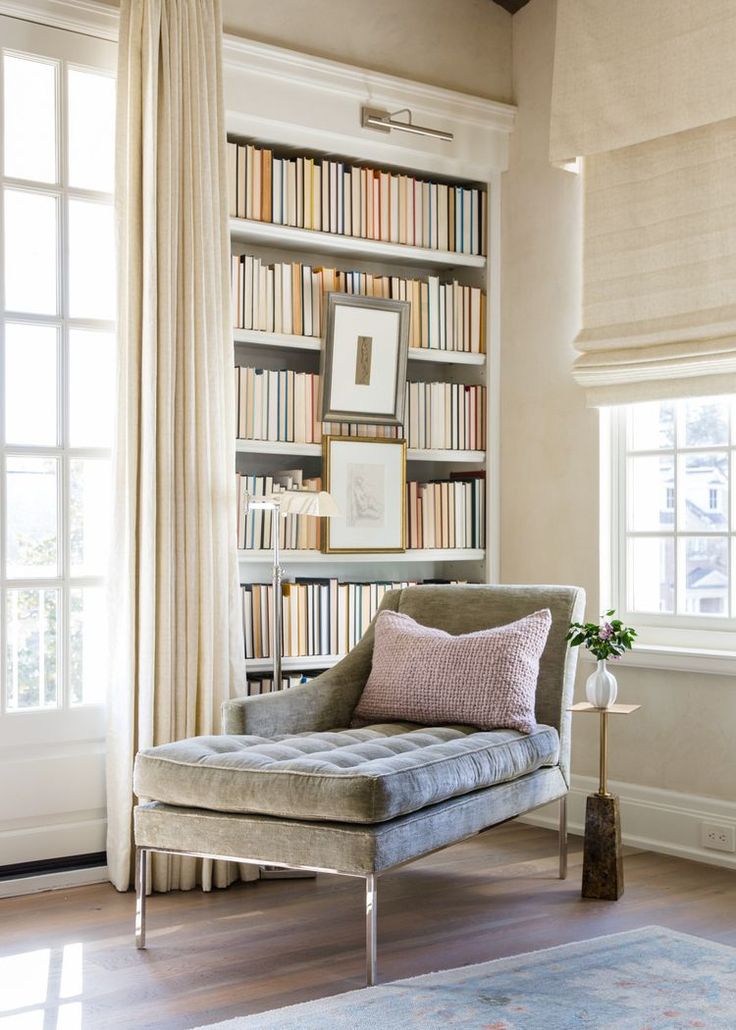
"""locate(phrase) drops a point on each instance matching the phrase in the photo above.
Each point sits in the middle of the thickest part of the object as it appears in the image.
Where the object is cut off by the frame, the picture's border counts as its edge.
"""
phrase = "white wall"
(683, 738)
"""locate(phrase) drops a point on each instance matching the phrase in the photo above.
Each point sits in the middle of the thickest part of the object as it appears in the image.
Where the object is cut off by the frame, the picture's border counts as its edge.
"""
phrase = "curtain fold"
(175, 626)
(626, 71)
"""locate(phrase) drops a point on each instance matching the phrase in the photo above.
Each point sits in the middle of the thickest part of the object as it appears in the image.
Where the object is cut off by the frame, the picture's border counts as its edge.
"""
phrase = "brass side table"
(603, 867)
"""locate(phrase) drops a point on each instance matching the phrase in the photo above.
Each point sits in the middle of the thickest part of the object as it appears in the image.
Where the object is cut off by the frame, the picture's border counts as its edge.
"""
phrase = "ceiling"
(512, 6)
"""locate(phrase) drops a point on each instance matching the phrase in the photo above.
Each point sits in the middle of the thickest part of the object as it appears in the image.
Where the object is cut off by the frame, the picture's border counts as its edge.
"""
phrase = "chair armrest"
(326, 702)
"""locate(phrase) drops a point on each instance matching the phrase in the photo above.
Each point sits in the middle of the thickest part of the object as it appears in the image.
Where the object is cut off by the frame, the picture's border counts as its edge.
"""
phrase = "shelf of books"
(314, 450)
(268, 234)
(417, 555)
(288, 341)
(391, 234)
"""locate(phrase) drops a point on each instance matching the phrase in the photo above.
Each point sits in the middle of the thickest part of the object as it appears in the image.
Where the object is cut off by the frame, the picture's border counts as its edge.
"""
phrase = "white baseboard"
(651, 819)
(53, 881)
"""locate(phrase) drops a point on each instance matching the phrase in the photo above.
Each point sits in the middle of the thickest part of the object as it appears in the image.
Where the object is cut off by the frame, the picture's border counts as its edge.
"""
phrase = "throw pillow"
(486, 679)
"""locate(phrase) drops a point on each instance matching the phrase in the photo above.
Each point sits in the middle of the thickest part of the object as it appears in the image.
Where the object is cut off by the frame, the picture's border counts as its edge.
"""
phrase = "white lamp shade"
(307, 502)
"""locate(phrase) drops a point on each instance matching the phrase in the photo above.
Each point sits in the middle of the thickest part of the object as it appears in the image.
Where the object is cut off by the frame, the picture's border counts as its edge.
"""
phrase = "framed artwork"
(367, 479)
(363, 366)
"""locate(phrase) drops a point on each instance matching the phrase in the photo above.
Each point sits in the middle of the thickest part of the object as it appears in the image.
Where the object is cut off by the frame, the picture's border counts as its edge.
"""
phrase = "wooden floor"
(272, 943)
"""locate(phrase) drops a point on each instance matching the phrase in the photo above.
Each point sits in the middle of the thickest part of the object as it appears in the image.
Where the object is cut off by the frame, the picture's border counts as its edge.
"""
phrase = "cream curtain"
(626, 71)
(177, 639)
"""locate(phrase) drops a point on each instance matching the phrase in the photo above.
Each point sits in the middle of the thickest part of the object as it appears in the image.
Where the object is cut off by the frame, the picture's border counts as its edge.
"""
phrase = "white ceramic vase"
(601, 686)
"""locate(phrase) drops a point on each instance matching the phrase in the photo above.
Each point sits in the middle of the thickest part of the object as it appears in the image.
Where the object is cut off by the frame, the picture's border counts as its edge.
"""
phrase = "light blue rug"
(648, 979)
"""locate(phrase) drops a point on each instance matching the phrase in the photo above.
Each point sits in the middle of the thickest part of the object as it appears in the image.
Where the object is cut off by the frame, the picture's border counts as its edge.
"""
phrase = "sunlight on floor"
(36, 985)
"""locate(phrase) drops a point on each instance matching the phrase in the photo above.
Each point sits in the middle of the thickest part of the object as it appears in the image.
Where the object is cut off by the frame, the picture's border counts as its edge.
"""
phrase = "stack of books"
(445, 416)
(296, 532)
(281, 405)
(288, 298)
(446, 513)
(277, 405)
(333, 196)
(320, 616)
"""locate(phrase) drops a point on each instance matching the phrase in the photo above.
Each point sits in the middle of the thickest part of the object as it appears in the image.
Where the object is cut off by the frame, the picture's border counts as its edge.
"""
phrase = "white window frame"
(62, 453)
(701, 643)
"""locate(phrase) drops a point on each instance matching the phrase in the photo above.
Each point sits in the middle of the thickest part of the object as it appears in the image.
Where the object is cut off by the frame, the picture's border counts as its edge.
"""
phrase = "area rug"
(647, 979)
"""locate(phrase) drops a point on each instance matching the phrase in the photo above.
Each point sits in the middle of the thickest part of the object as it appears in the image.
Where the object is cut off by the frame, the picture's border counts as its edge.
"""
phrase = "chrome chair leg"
(563, 838)
(371, 911)
(141, 877)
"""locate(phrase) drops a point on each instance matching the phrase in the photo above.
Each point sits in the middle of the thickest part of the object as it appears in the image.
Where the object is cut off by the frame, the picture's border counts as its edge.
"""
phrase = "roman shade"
(646, 94)
(659, 269)
(629, 71)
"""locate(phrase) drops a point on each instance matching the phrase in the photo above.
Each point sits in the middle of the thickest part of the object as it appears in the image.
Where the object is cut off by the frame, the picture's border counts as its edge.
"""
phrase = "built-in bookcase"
(463, 174)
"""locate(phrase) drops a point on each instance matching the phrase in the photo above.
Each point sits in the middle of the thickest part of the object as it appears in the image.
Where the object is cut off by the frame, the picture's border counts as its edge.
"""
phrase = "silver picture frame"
(363, 359)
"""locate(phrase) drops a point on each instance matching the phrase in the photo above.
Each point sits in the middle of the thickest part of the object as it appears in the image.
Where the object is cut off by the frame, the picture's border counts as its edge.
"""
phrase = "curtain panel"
(175, 626)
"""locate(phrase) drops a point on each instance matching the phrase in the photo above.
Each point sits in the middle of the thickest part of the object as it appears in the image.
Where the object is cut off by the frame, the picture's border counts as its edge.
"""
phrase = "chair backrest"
(467, 608)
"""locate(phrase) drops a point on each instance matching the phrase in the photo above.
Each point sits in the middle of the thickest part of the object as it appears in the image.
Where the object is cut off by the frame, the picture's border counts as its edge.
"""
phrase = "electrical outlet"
(718, 836)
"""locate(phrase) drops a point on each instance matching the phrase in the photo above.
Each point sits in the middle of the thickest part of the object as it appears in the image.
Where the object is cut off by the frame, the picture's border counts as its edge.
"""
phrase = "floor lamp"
(317, 503)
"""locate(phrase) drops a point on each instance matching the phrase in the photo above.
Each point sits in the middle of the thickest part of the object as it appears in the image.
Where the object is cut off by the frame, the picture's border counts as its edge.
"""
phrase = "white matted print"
(367, 478)
(364, 359)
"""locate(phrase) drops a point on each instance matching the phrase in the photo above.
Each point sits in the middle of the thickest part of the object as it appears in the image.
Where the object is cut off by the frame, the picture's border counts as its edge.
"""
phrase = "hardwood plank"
(271, 943)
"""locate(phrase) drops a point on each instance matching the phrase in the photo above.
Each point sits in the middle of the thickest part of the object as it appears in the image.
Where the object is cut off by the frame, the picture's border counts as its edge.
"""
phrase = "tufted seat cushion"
(364, 775)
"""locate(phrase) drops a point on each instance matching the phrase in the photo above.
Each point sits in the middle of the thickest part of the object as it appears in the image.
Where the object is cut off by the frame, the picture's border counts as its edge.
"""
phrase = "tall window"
(675, 541)
(57, 311)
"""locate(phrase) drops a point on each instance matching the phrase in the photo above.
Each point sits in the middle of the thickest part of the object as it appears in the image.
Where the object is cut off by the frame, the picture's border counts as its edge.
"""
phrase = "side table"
(603, 867)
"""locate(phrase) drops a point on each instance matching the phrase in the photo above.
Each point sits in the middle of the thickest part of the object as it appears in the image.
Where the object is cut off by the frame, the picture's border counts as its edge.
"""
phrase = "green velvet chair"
(293, 783)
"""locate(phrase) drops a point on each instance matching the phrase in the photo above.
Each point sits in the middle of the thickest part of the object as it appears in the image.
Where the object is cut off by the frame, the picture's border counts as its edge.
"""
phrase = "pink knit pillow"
(486, 679)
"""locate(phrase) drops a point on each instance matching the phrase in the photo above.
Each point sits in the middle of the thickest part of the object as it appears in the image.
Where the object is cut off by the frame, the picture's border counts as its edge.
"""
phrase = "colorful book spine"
(370, 203)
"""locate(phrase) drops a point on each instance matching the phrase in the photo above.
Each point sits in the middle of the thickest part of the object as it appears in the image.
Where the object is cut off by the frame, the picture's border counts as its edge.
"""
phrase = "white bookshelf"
(287, 341)
(314, 450)
(313, 242)
(303, 663)
(415, 555)
(303, 104)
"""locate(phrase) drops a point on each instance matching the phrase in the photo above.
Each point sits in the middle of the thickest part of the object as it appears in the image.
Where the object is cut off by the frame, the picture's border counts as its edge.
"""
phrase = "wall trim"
(85, 16)
(664, 821)
(53, 881)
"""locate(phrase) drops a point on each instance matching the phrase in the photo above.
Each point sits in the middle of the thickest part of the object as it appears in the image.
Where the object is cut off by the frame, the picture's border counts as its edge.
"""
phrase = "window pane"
(651, 574)
(30, 384)
(91, 388)
(704, 488)
(705, 570)
(706, 422)
(31, 517)
(87, 645)
(30, 119)
(30, 659)
(651, 426)
(91, 130)
(89, 514)
(30, 252)
(651, 493)
(91, 260)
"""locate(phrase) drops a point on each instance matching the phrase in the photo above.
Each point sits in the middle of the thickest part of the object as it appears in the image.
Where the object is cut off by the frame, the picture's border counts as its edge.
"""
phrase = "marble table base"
(603, 867)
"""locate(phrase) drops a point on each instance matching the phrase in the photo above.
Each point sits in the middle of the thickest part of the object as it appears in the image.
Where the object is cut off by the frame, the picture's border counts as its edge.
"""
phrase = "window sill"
(676, 659)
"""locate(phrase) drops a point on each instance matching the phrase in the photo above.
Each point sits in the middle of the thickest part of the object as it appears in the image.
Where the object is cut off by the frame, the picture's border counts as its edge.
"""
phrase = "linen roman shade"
(659, 268)
(646, 94)
(626, 71)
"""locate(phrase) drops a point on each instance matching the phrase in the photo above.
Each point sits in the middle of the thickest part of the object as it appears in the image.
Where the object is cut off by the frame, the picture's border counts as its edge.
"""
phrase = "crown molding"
(86, 16)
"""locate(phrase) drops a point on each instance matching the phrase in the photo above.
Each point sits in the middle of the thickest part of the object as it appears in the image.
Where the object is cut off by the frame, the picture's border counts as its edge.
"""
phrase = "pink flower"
(606, 631)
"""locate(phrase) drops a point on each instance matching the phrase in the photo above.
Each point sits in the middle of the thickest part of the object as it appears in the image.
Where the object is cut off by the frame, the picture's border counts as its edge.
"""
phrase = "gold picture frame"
(366, 475)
